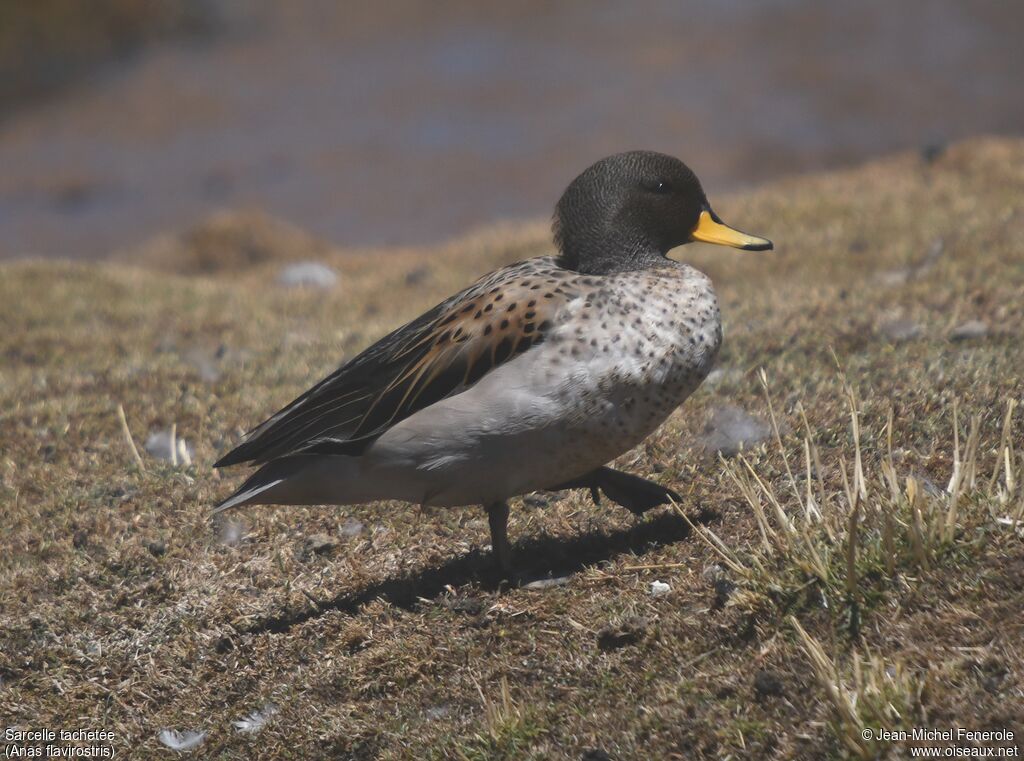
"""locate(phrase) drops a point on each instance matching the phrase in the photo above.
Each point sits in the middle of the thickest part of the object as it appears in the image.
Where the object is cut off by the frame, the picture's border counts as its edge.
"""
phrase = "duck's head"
(627, 211)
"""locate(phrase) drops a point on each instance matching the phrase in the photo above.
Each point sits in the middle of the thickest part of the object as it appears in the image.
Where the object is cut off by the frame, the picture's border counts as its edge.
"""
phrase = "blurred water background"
(408, 122)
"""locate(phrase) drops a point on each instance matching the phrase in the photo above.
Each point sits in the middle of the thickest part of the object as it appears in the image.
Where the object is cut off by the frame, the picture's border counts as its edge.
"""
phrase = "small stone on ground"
(731, 430)
(559, 581)
(352, 527)
(159, 445)
(900, 330)
(309, 275)
(969, 330)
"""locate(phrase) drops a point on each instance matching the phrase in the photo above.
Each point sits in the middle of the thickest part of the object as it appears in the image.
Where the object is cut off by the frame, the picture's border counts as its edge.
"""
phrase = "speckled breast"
(636, 349)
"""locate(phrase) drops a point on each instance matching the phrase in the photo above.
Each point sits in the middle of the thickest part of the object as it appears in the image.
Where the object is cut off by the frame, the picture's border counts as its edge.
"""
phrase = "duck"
(533, 378)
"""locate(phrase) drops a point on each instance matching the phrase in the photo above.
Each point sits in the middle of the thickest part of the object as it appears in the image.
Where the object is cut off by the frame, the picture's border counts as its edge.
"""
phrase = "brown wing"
(442, 353)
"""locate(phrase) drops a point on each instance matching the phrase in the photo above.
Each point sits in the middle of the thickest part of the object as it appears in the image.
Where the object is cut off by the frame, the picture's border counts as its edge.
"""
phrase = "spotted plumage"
(531, 378)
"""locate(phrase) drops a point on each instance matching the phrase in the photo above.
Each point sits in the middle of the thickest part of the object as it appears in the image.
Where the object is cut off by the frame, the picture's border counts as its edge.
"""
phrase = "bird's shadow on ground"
(535, 558)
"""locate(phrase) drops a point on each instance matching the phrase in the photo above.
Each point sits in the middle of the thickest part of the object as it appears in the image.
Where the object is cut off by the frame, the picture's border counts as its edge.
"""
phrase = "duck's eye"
(659, 186)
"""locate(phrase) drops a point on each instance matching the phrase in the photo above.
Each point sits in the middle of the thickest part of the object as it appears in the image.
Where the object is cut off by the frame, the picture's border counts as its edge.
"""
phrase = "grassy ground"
(124, 607)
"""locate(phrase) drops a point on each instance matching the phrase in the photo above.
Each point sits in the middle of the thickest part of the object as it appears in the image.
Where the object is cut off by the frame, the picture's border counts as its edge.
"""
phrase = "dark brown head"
(627, 211)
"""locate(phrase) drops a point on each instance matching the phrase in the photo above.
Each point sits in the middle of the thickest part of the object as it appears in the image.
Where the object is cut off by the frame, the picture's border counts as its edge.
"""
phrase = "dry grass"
(862, 569)
(849, 551)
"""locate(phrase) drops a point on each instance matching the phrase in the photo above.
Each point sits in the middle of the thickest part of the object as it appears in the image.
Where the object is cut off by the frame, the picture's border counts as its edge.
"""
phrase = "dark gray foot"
(638, 495)
(497, 517)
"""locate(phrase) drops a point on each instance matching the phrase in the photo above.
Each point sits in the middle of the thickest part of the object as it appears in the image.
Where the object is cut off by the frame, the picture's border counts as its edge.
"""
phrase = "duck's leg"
(497, 517)
(638, 495)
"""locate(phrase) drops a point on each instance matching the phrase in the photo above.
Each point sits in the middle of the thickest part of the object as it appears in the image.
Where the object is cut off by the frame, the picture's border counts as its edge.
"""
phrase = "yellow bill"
(710, 229)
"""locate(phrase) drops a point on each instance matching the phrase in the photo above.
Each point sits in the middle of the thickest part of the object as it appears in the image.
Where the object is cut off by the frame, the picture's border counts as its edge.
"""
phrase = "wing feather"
(441, 353)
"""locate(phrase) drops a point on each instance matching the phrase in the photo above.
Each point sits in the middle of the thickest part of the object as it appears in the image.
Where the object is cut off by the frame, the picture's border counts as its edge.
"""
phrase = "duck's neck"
(606, 255)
